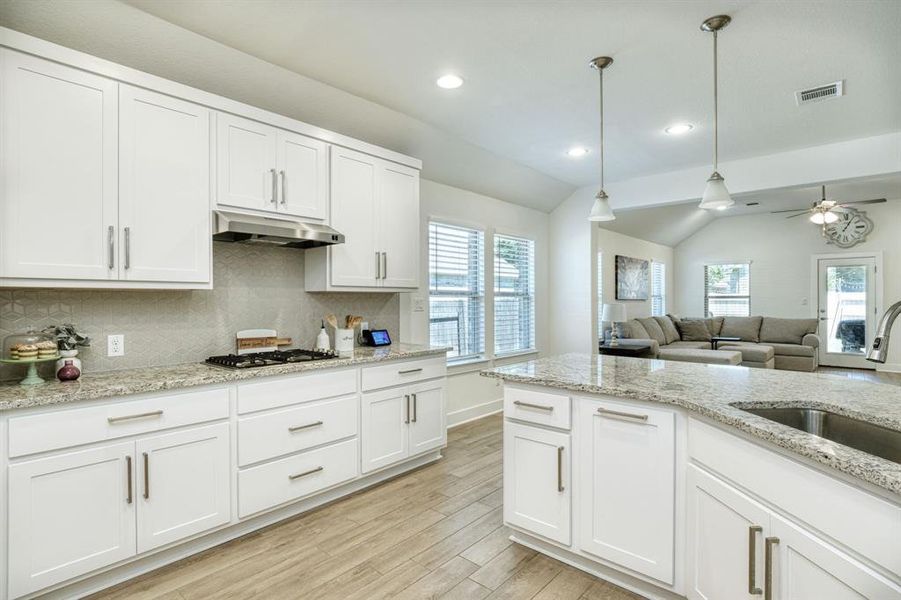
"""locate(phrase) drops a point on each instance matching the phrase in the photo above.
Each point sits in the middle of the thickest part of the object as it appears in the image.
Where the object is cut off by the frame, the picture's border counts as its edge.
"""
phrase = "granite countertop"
(719, 392)
(92, 386)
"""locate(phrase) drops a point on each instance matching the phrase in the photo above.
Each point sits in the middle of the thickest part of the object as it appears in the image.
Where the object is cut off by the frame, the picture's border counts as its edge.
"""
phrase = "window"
(600, 268)
(658, 289)
(727, 290)
(514, 294)
(457, 290)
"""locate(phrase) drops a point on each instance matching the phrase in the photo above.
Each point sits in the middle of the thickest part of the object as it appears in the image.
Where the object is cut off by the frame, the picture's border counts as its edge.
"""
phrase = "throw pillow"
(669, 329)
(636, 330)
(654, 330)
(693, 330)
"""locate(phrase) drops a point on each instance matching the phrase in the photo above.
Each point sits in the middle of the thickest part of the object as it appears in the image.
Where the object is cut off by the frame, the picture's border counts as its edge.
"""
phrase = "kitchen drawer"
(537, 407)
(293, 389)
(294, 477)
(66, 428)
(265, 436)
(402, 373)
(863, 522)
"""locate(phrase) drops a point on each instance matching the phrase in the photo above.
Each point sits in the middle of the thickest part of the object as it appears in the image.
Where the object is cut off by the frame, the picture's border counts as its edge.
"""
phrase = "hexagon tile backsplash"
(253, 287)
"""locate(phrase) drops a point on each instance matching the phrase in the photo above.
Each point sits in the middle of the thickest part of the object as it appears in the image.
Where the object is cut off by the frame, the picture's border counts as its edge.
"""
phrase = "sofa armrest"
(811, 339)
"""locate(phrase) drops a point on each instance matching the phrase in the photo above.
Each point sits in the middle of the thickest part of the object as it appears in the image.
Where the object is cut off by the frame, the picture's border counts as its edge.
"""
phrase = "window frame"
(728, 296)
(530, 295)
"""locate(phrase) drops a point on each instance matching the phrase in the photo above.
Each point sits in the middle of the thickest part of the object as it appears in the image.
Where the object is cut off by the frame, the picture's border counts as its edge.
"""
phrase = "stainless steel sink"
(860, 435)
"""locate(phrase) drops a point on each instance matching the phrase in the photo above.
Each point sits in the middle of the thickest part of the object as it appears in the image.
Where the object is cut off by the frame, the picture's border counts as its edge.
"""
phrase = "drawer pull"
(414, 407)
(753, 530)
(615, 413)
(130, 495)
(155, 413)
(560, 487)
(530, 405)
(302, 427)
(409, 371)
(305, 473)
(406, 409)
(768, 566)
(146, 476)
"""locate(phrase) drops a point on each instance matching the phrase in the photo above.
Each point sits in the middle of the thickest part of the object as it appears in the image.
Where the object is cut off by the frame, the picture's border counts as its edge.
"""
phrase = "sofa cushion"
(745, 328)
(792, 349)
(757, 353)
(669, 329)
(691, 330)
(689, 344)
(654, 330)
(636, 330)
(711, 357)
(714, 324)
(786, 331)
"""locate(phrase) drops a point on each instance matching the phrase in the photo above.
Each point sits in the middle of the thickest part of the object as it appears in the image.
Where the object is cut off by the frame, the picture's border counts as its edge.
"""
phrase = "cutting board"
(248, 341)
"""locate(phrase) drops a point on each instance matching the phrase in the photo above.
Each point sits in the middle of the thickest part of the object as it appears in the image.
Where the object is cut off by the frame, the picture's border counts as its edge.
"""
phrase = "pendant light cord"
(715, 108)
(601, 102)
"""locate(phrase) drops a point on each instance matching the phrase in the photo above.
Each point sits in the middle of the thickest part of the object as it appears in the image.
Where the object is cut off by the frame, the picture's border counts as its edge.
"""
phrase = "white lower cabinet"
(738, 549)
(70, 514)
(401, 422)
(184, 484)
(537, 488)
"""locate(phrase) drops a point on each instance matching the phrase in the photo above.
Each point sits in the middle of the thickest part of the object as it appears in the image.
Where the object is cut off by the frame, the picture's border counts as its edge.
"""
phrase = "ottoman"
(710, 357)
(753, 355)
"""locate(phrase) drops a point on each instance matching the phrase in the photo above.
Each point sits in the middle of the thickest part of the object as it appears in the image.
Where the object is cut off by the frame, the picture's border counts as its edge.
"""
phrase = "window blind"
(727, 290)
(457, 290)
(514, 294)
(658, 289)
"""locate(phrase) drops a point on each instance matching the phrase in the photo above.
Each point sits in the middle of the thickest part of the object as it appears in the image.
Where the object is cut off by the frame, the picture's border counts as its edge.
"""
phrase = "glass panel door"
(847, 311)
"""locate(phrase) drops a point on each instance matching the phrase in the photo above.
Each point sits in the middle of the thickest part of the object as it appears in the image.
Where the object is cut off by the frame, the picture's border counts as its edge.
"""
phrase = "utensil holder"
(344, 341)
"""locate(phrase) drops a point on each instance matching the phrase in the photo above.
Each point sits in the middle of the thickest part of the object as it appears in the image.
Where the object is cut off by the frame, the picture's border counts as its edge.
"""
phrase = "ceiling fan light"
(716, 196)
(600, 210)
(830, 217)
(818, 218)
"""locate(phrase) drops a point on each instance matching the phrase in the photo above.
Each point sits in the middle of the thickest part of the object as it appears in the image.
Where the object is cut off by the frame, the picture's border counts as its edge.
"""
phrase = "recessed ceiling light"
(679, 128)
(449, 81)
(577, 152)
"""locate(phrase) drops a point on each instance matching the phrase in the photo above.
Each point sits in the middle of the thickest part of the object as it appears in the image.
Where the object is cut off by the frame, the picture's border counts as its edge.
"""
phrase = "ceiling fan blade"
(874, 201)
(797, 215)
(803, 210)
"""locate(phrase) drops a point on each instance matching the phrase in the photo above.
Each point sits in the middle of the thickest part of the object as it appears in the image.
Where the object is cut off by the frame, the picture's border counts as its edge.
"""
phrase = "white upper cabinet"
(164, 183)
(261, 167)
(58, 168)
(303, 176)
(375, 204)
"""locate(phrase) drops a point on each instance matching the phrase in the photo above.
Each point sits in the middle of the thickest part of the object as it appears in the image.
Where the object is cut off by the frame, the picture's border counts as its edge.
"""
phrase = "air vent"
(821, 92)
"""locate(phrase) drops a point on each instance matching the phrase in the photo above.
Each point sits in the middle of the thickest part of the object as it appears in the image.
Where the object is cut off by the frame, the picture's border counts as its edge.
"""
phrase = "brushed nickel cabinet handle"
(302, 427)
(282, 174)
(146, 476)
(530, 405)
(378, 265)
(768, 566)
(384, 265)
(414, 407)
(130, 495)
(560, 487)
(305, 473)
(409, 371)
(604, 412)
(407, 409)
(274, 198)
(128, 247)
(110, 247)
(154, 413)
(753, 530)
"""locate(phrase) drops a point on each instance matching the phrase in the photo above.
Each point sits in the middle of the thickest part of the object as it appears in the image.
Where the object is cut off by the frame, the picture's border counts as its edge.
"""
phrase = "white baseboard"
(465, 415)
(889, 368)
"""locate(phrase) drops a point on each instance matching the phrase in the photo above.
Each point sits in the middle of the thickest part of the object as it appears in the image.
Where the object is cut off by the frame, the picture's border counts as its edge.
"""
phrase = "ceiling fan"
(826, 211)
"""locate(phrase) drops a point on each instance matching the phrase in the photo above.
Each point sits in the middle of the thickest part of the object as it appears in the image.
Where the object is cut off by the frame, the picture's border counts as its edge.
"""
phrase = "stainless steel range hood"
(274, 231)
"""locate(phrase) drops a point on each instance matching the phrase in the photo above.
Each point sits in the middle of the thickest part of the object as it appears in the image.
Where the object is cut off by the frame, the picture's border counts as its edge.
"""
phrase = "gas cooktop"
(265, 359)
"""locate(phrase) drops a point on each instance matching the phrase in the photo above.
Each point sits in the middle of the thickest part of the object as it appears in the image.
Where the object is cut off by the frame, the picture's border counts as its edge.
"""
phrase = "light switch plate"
(418, 304)
(115, 345)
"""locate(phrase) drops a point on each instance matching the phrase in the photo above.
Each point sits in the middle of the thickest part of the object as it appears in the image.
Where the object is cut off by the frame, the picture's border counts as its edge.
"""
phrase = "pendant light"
(600, 210)
(716, 196)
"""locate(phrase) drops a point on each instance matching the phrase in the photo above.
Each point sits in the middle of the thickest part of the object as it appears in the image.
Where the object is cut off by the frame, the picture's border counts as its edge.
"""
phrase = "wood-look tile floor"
(434, 533)
(863, 375)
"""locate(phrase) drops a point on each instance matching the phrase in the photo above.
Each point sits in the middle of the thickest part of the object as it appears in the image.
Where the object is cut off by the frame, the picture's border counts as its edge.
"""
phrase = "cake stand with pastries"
(29, 348)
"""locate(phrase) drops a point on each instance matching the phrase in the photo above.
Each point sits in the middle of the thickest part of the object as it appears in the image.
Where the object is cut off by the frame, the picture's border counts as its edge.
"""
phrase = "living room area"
(792, 279)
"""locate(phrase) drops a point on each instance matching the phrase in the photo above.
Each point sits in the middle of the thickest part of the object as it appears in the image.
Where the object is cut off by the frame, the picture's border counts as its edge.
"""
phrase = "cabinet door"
(806, 568)
(627, 482)
(428, 429)
(246, 163)
(537, 481)
(385, 428)
(399, 227)
(164, 182)
(353, 213)
(183, 484)
(303, 175)
(723, 527)
(70, 514)
(58, 209)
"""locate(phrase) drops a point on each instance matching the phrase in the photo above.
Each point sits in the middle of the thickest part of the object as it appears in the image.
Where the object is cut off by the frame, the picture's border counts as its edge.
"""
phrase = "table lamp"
(614, 313)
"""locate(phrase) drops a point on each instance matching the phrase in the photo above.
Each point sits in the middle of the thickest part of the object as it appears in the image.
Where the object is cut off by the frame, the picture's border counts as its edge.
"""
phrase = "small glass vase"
(67, 355)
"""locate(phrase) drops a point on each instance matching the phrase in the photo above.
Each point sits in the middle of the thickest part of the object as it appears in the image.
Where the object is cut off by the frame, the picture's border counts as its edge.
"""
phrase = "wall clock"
(852, 228)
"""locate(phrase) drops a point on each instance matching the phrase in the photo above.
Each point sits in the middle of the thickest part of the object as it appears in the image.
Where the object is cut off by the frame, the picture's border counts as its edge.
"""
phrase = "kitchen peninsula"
(655, 476)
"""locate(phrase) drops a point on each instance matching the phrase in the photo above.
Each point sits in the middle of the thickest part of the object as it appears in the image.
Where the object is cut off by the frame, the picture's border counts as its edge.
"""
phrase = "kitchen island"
(652, 474)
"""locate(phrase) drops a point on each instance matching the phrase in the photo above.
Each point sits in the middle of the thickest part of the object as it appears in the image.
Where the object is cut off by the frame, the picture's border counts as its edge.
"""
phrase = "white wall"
(611, 243)
(470, 395)
(780, 252)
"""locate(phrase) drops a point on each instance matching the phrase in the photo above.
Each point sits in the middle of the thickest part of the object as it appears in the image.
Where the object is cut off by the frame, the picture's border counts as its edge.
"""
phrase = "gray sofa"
(765, 342)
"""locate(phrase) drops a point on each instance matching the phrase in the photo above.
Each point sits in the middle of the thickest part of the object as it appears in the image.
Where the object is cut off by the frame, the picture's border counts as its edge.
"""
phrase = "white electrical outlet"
(115, 345)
